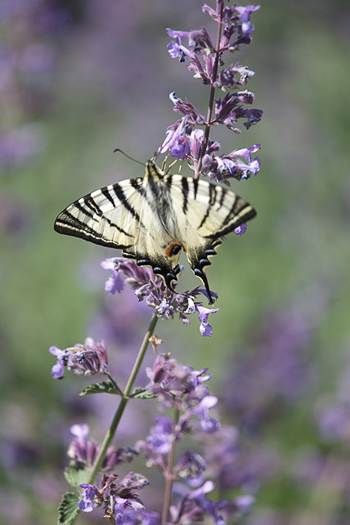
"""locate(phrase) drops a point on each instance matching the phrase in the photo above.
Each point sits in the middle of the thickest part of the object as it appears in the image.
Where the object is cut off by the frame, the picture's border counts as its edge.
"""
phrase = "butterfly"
(152, 219)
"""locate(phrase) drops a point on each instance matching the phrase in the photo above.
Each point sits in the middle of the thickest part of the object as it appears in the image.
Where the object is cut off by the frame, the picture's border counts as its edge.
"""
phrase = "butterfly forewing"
(106, 216)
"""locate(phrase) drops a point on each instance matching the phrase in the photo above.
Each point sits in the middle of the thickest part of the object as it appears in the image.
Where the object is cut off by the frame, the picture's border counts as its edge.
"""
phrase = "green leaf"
(76, 475)
(141, 393)
(68, 509)
(107, 387)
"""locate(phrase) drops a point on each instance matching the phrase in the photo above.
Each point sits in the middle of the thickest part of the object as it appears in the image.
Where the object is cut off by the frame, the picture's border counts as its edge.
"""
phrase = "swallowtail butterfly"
(152, 219)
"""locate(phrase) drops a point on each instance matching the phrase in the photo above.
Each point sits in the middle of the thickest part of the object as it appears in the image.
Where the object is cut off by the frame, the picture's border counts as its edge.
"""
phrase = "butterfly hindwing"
(152, 219)
(213, 212)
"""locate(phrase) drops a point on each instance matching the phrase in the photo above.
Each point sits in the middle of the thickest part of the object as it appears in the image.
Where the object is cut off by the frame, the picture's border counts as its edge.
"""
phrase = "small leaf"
(107, 387)
(68, 509)
(141, 393)
(75, 475)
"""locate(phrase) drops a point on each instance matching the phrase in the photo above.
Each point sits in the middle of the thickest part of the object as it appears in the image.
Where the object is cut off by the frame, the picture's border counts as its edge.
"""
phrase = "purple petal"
(179, 35)
(57, 370)
(206, 329)
(80, 431)
(210, 425)
(204, 313)
(240, 230)
(55, 351)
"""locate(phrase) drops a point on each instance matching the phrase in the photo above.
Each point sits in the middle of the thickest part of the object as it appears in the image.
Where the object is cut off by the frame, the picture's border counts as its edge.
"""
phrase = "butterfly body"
(152, 219)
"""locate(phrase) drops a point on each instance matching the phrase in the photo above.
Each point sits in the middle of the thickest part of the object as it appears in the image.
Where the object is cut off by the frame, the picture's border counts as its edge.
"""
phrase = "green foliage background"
(110, 89)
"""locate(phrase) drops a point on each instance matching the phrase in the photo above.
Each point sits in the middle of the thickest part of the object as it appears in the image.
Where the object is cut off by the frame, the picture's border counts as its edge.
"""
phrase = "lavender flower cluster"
(181, 389)
(185, 139)
(152, 288)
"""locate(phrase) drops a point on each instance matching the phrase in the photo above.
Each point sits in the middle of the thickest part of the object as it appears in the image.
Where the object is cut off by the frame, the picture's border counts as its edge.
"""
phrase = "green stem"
(124, 400)
(169, 476)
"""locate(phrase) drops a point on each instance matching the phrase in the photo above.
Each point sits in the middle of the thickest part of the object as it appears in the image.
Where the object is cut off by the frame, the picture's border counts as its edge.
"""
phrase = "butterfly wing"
(206, 213)
(107, 216)
(129, 215)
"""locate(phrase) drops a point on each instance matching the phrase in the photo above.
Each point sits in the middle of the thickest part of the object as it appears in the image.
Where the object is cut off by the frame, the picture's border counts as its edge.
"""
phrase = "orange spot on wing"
(169, 248)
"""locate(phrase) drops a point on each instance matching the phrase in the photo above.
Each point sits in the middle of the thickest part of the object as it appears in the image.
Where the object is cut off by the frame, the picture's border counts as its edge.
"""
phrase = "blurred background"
(81, 78)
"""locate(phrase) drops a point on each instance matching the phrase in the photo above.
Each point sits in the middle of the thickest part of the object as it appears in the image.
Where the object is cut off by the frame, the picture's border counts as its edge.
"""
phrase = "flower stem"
(124, 400)
(220, 6)
(169, 475)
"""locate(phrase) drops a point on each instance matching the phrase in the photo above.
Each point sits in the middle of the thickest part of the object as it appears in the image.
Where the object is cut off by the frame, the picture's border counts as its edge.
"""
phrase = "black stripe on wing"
(87, 217)
(118, 190)
(240, 212)
(67, 224)
(90, 203)
(212, 199)
(185, 190)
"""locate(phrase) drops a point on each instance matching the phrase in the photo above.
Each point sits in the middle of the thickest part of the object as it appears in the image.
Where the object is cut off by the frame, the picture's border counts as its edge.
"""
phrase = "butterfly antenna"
(128, 156)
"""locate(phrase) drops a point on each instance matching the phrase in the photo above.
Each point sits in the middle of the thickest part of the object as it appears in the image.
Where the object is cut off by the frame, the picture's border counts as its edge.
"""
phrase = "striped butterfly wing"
(206, 213)
(135, 216)
(107, 216)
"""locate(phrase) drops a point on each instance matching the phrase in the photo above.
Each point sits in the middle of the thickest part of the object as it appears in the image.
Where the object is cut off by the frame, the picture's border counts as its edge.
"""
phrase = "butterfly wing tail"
(198, 257)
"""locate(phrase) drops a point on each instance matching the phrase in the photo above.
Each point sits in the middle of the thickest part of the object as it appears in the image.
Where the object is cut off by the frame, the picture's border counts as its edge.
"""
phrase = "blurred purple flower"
(18, 146)
(15, 217)
(333, 414)
(195, 506)
(334, 422)
(277, 370)
(233, 464)
(160, 437)
(190, 465)
(87, 359)
(201, 410)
